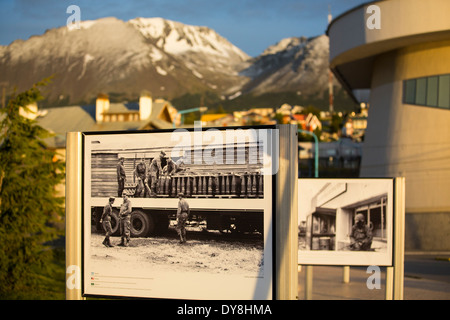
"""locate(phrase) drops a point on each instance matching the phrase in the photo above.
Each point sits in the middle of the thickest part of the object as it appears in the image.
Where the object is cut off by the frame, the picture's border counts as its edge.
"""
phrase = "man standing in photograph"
(168, 170)
(155, 172)
(141, 176)
(121, 176)
(361, 235)
(183, 212)
(125, 221)
(105, 220)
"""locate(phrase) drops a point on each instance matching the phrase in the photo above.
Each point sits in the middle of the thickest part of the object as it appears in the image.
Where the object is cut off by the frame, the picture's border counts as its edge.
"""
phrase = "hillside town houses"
(338, 150)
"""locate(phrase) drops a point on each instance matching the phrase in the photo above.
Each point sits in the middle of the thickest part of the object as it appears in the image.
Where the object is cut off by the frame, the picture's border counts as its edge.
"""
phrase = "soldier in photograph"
(142, 183)
(105, 220)
(183, 213)
(170, 168)
(121, 176)
(155, 171)
(125, 221)
(361, 235)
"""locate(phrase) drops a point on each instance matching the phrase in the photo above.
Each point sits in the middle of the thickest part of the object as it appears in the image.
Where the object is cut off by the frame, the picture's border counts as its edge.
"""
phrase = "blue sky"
(252, 25)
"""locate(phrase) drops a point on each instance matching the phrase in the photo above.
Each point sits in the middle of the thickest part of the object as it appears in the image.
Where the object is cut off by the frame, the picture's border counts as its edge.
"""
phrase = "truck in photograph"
(225, 197)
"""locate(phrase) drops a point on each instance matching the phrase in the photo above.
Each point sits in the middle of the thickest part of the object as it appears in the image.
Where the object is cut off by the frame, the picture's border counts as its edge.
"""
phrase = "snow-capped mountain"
(202, 50)
(176, 38)
(164, 57)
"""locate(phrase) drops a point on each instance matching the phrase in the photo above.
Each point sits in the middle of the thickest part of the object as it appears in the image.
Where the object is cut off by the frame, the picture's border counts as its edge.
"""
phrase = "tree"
(29, 207)
(336, 123)
(311, 109)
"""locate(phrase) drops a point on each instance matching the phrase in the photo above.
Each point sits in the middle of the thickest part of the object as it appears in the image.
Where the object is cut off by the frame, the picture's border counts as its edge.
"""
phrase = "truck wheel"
(115, 222)
(141, 224)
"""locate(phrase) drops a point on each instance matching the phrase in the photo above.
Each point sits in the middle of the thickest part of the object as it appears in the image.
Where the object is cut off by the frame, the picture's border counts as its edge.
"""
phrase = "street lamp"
(316, 152)
(201, 109)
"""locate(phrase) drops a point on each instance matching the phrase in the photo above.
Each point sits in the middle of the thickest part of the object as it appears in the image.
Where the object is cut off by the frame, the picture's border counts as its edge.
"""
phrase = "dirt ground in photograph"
(212, 253)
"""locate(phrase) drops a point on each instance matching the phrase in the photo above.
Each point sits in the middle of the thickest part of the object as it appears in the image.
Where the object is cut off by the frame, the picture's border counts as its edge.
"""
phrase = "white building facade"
(400, 50)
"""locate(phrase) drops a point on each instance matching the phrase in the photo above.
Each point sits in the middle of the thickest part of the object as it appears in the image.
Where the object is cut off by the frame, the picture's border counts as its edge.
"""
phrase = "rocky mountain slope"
(293, 64)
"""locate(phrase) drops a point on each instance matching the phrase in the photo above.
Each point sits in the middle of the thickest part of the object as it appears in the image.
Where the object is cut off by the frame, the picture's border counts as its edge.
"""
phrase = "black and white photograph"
(179, 214)
(345, 221)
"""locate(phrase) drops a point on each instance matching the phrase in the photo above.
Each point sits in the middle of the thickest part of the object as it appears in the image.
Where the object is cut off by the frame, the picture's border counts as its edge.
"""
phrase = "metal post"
(308, 282)
(73, 216)
(389, 290)
(399, 239)
(346, 274)
(309, 269)
(316, 151)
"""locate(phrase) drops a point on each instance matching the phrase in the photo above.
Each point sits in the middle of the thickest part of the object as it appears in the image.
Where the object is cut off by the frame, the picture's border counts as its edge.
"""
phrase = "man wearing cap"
(105, 220)
(125, 221)
(155, 171)
(361, 235)
(183, 213)
(121, 176)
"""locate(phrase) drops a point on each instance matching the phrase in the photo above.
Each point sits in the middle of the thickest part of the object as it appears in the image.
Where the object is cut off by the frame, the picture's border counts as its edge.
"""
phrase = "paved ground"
(427, 277)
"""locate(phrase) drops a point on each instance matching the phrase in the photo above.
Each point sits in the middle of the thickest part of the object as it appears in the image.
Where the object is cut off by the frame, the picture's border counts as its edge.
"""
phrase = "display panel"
(345, 221)
(182, 214)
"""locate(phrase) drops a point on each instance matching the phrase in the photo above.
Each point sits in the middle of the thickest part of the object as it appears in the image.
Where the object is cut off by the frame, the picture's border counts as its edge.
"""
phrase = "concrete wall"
(412, 141)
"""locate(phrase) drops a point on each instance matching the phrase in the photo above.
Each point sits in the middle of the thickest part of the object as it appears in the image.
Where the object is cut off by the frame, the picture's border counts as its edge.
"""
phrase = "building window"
(409, 92)
(433, 91)
(421, 91)
(444, 84)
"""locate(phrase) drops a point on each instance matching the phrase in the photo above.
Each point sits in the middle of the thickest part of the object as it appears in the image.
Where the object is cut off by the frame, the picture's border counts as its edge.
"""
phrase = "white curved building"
(400, 50)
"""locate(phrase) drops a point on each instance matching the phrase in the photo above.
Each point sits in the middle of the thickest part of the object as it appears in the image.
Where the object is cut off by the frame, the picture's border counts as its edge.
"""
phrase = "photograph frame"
(268, 284)
(332, 206)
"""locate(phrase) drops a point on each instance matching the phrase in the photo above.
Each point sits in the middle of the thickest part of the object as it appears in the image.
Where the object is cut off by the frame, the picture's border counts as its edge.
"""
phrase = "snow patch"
(285, 44)
(86, 59)
(156, 55)
(234, 96)
(161, 71)
(197, 74)
(87, 24)
(149, 27)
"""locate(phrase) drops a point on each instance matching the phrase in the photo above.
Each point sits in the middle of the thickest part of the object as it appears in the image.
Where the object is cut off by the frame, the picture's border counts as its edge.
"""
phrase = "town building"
(355, 127)
(308, 122)
(146, 114)
(217, 120)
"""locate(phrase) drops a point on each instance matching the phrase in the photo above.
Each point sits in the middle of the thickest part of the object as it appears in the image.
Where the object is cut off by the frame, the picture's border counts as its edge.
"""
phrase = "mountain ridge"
(164, 57)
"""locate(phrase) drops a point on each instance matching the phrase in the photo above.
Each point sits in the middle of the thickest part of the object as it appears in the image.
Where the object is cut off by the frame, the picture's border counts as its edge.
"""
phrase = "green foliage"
(336, 123)
(320, 102)
(192, 100)
(311, 109)
(29, 208)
